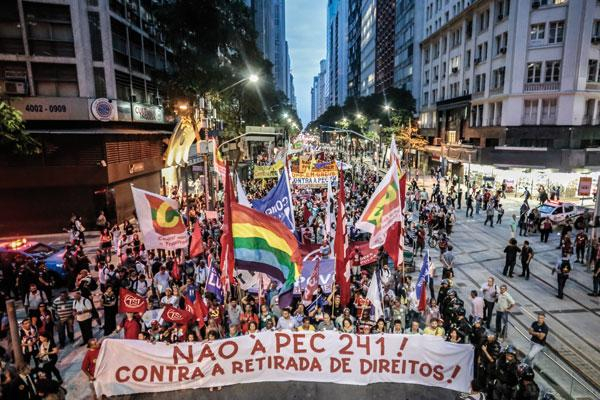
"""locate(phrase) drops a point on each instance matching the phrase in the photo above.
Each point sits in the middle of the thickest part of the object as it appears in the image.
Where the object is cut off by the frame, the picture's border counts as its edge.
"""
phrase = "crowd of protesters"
(169, 278)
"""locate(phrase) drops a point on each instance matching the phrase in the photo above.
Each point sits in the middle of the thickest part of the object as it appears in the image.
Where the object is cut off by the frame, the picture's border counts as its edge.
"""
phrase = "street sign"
(585, 186)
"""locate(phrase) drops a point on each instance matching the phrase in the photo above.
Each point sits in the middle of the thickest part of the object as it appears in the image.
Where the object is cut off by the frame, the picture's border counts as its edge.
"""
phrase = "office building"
(367, 46)
(80, 72)
(354, 34)
(385, 21)
(337, 50)
(514, 82)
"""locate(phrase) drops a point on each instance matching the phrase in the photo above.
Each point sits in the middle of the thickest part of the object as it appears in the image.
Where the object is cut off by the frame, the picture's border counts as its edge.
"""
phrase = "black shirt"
(525, 251)
(536, 327)
(511, 252)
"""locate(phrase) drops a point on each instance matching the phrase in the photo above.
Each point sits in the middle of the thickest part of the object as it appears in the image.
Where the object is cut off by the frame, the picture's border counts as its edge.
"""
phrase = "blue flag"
(213, 283)
(421, 288)
(278, 202)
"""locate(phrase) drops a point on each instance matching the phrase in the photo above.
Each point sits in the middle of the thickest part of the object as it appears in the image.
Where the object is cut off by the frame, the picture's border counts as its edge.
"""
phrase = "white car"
(559, 211)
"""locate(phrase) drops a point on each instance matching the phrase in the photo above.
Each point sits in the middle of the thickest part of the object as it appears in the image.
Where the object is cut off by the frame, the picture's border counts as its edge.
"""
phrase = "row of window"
(535, 112)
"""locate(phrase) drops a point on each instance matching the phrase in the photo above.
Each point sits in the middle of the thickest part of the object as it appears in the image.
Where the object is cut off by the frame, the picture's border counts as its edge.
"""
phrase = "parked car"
(559, 211)
(23, 250)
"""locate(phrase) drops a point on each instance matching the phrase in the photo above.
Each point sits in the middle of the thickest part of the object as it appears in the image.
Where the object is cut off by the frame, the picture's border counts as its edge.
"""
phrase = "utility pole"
(14, 333)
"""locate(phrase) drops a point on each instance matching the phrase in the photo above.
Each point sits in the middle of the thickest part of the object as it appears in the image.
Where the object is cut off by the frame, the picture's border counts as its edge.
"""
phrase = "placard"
(585, 186)
(282, 356)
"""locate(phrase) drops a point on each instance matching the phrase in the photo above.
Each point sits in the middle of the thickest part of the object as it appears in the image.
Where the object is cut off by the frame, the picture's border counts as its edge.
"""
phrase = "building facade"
(384, 44)
(80, 73)
(508, 78)
(269, 21)
(368, 32)
(320, 92)
(408, 35)
(354, 34)
(337, 50)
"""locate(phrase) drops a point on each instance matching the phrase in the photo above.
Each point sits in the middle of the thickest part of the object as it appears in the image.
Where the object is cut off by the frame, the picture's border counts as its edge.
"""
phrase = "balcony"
(477, 95)
(497, 90)
(541, 87)
(592, 86)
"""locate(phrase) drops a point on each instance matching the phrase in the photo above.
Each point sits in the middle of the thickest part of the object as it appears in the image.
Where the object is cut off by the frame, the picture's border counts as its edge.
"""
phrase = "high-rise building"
(368, 24)
(337, 50)
(320, 92)
(81, 74)
(269, 21)
(354, 35)
(517, 80)
(385, 24)
(408, 35)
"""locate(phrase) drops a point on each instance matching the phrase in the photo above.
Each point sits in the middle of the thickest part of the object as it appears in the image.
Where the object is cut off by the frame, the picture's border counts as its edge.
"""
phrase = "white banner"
(314, 181)
(159, 220)
(282, 356)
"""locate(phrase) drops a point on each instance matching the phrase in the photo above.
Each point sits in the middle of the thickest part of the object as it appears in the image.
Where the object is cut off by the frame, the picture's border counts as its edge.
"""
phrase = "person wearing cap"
(506, 375)
(490, 352)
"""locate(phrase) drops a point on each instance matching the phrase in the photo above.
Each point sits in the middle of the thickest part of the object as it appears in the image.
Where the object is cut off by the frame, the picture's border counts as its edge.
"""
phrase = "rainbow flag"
(264, 244)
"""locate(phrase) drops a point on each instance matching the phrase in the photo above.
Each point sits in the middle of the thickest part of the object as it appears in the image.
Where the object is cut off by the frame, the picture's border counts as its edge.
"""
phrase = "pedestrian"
(490, 297)
(88, 366)
(539, 333)
(596, 279)
(469, 201)
(33, 299)
(523, 224)
(545, 229)
(500, 211)
(447, 259)
(82, 309)
(477, 306)
(513, 226)
(511, 257)
(489, 215)
(562, 270)
(505, 304)
(109, 302)
(526, 256)
(581, 240)
(63, 312)
(48, 356)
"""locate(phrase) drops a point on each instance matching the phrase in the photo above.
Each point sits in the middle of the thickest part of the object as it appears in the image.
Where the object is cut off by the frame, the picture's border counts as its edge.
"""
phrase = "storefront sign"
(585, 186)
(52, 108)
(267, 171)
(140, 113)
(282, 356)
(103, 109)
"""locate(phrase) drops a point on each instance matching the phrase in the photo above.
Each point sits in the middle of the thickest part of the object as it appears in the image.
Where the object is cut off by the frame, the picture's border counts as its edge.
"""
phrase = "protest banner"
(585, 186)
(267, 171)
(282, 356)
(313, 179)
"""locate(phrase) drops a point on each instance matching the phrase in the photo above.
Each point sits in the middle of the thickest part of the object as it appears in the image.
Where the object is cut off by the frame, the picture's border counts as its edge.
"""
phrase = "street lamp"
(253, 78)
(285, 115)
(359, 115)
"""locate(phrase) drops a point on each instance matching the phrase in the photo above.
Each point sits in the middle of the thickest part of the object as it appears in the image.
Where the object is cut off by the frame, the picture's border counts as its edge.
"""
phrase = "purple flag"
(213, 283)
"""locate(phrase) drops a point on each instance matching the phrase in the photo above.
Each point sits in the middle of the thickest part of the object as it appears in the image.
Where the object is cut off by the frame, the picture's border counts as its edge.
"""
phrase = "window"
(480, 83)
(99, 82)
(95, 37)
(491, 110)
(435, 73)
(552, 2)
(444, 69)
(530, 112)
(501, 42)
(467, 87)
(434, 95)
(534, 72)
(537, 32)
(55, 80)
(498, 117)
(556, 32)
(480, 115)
(426, 81)
(593, 71)
(454, 64)
(436, 50)
(49, 30)
(482, 52)
(426, 98)
(502, 9)
(552, 71)
(468, 59)
(469, 31)
(589, 112)
(498, 78)
(454, 89)
(484, 20)
(426, 56)
(596, 29)
(548, 111)
(443, 94)
(473, 116)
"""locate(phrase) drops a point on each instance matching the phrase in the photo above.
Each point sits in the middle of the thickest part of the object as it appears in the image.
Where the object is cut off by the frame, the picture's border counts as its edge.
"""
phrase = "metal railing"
(565, 383)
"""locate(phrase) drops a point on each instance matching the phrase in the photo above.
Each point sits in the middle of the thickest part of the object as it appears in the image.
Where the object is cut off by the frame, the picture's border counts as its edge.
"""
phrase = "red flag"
(175, 273)
(423, 300)
(227, 257)
(312, 284)
(131, 302)
(200, 310)
(394, 241)
(189, 307)
(176, 315)
(342, 274)
(196, 245)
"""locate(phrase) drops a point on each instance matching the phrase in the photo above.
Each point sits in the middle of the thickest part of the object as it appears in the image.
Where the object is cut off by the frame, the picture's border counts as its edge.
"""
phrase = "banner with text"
(282, 356)
(267, 171)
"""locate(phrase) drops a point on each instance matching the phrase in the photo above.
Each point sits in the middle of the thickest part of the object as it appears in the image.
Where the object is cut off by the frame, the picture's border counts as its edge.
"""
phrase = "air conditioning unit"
(454, 70)
(535, 4)
(500, 17)
(503, 50)
(476, 61)
(13, 87)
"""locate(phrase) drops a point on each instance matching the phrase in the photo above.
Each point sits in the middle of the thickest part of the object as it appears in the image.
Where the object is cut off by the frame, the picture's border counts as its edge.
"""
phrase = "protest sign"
(267, 171)
(282, 356)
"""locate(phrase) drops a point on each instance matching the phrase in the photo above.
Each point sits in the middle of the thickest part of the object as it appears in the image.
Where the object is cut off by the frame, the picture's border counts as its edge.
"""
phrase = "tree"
(214, 47)
(13, 137)
(404, 129)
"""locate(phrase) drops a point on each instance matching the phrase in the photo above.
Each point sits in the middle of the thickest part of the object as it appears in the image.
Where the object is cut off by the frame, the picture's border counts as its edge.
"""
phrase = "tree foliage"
(404, 129)
(370, 108)
(214, 46)
(13, 137)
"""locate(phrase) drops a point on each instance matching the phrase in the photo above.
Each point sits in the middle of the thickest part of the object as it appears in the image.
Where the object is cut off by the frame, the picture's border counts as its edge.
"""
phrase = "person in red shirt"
(247, 317)
(88, 366)
(131, 326)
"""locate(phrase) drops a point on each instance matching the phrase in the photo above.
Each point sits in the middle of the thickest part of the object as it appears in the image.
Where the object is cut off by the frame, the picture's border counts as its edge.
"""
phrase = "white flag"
(374, 295)
(241, 194)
